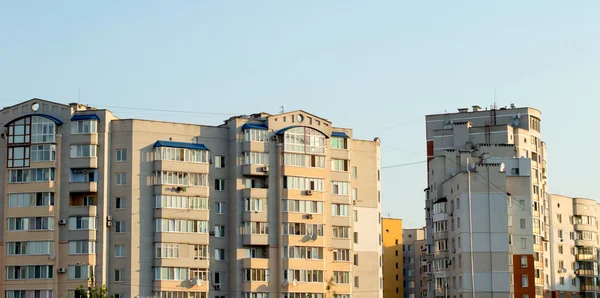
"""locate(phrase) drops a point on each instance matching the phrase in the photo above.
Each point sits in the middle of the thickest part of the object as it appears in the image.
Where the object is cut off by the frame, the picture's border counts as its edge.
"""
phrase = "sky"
(376, 66)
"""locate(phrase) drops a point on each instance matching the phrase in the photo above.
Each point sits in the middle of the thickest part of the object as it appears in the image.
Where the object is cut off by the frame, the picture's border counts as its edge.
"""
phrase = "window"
(29, 248)
(248, 295)
(356, 282)
(82, 247)
(29, 272)
(219, 208)
(302, 275)
(560, 249)
(339, 165)
(339, 143)
(168, 250)
(255, 275)
(304, 140)
(200, 252)
(31, 175)
(180, 178)
(84, 126)
(559, 218)
(292, 159)
(219, 278)
(120, 203)
(256, 158)
(317, 161)
(17, 200)
(18, 157)
(255, 135)
(255, 228)
(81, 151)
(340, 210)
(180, 202)
(43, 130)
(341, 255)
(121, 178)
(19, 131)
(219, 161)
(219, 231)
(46, 152)
(356, 237)
(82, 223)
(523, 261)
(302, 229)
(255, 205)
(121, 155)
(119, 250)
(524, 281)
(120, 227)
(220, 184)
(179, 154)
(458, 222)
(181, 226)
(119, 276)
(340, 188)
(29, 293)
(302, 183)
(219, 254)
(560, 233)
(341, 232)
(304, 252)
(341, 277)
(354, 172)
(30, 223)
(355, 215)
(172, 273)
(80, 271)
(522, 224)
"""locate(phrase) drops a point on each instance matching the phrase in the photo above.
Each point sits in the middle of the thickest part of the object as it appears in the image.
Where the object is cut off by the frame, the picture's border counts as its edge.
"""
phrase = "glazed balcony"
(255, 239)
(257, 216)
(255, 170)
(174, 190)
(256, 193)
(255, 263)
(83, 163)
(586, 272)
(180, 166)
(78, 187)
(440, 235)
(251, 146)
(82, 211)
(88, 138)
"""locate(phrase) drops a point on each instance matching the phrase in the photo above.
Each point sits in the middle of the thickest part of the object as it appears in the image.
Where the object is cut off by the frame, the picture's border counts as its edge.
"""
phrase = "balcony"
(180, 166)
(83, 234)
(441, 255)
(441, 217)
(440, 235)
(194, 214)
(91, 186)
(582, 227)
(255, 286)
(90, 138)
(589, 288)
(538, 264)
(586, 257)
(83, 163)
(191, 238)
(180, 285)
(582, 242)
(255, 239)
(255, 263)
(181, 262)
(172, 190)
(30, 211)
(258, 216)
(82, 211)
(250, 146)
(255, 170)
(586, 272)
(256, 193)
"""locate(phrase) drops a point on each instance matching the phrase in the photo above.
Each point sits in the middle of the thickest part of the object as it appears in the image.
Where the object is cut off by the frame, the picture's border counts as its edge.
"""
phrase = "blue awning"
(85, 117)
(183, 145)
(255, 126)
(54, 119)
(339, 134)
(281, 131)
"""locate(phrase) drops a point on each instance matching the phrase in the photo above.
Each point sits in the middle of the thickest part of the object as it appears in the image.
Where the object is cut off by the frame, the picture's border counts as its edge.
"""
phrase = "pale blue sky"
(370, 65)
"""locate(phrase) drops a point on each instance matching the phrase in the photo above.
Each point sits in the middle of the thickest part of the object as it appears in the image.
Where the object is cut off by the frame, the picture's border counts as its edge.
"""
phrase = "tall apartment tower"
(486, 203)
(392, 258)
(413, 247)
(261, 206)
(573, 261)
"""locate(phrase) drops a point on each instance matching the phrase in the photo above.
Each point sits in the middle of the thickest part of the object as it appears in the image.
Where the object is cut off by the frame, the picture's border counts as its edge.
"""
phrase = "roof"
(54, 119)
(255, 126)
(85, 117)
(281, 131)
(339, 134)
(183, 145)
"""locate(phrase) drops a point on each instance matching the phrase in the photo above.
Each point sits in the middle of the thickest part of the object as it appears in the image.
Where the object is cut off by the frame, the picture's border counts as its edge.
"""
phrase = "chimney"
(476, 108)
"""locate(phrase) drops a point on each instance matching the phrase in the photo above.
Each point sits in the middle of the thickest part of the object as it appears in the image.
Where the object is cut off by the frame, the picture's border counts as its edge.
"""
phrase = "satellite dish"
(194, 281)
(295, 282)
(564, 270)
(314, 237)
(285, 283)
(516, 123)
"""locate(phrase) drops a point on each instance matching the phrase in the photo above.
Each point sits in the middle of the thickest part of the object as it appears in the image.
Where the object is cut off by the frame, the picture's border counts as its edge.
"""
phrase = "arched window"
(304, 140)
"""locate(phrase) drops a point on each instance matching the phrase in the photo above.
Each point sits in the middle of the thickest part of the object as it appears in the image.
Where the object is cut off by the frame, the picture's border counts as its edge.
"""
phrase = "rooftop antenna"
(494, 97)
(78, 95)
(281, 108)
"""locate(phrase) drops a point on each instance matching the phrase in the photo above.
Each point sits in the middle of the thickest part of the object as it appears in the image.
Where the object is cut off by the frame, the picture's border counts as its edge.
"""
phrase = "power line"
(403, 164)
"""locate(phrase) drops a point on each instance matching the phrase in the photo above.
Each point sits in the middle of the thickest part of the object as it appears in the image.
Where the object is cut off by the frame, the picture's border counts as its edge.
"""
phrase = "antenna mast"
(281, 109)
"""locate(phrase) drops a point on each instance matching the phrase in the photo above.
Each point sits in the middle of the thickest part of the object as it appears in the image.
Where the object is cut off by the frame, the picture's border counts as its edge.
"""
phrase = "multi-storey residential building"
(486, 203)
(261, 206)
(573, 247)
(392, 258)
(413, 249)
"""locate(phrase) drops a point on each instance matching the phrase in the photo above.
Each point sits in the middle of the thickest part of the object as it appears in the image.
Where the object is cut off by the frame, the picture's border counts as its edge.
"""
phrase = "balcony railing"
(586, 257)
(589, 288)
(586, 272)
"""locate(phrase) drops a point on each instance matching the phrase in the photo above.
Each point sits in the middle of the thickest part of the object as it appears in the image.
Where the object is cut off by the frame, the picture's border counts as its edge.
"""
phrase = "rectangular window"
(524, 281)
(119, 276)
(356, 282)
(354, 172)
(522, 224)
(219, 208)
(180, 202)
(302, 206)
(255, 135)
(354, 194)
(339, 143)
(30, 223)
(42, 130)
(355, 237)
(355, 260)
(82, 223)
(181, 226)
(255, 228)
(255, 275)
(219, 254)
(256, 158)
(523, 243)
(175, 273)
(339, 165)
(121, 155)
(355, 215)
(254, 205)
(19, 200)
(341, 232)
(219, 231)
(340, 188)
(18, 157)
(167, 250)
(82, 247)
(120, 250)
(80, 271)
(523, 261)
(302, 183)
(340, 210)
(341, 277)
(120, 203)
(29, 248)
(560, 249)
(341, 255)
(220, 184)
(317, 161)
(121, 178)
(302, 229)
(179, 154)
(40, 153)
(31, 175)
(29, 293)
(304, 252)
(219, 161)
(29, 272)
(200, 252)
(82, 151)
(293, 159)
(84, 127)
(120, 227)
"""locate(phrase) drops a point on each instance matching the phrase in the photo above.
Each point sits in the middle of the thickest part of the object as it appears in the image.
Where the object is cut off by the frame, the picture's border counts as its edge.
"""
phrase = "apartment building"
(392, 258)
(261, 206)
(413, 251)
(486, 203)
(572, 267)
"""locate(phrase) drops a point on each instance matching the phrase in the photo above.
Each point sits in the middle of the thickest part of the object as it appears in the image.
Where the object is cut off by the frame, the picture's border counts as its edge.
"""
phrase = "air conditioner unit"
(309, 216)
(309, 192)
(109, 223)
(109, 218)
(62, 221)
(274, 137)
(265, 168)
(212, 233)
(62, 270)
